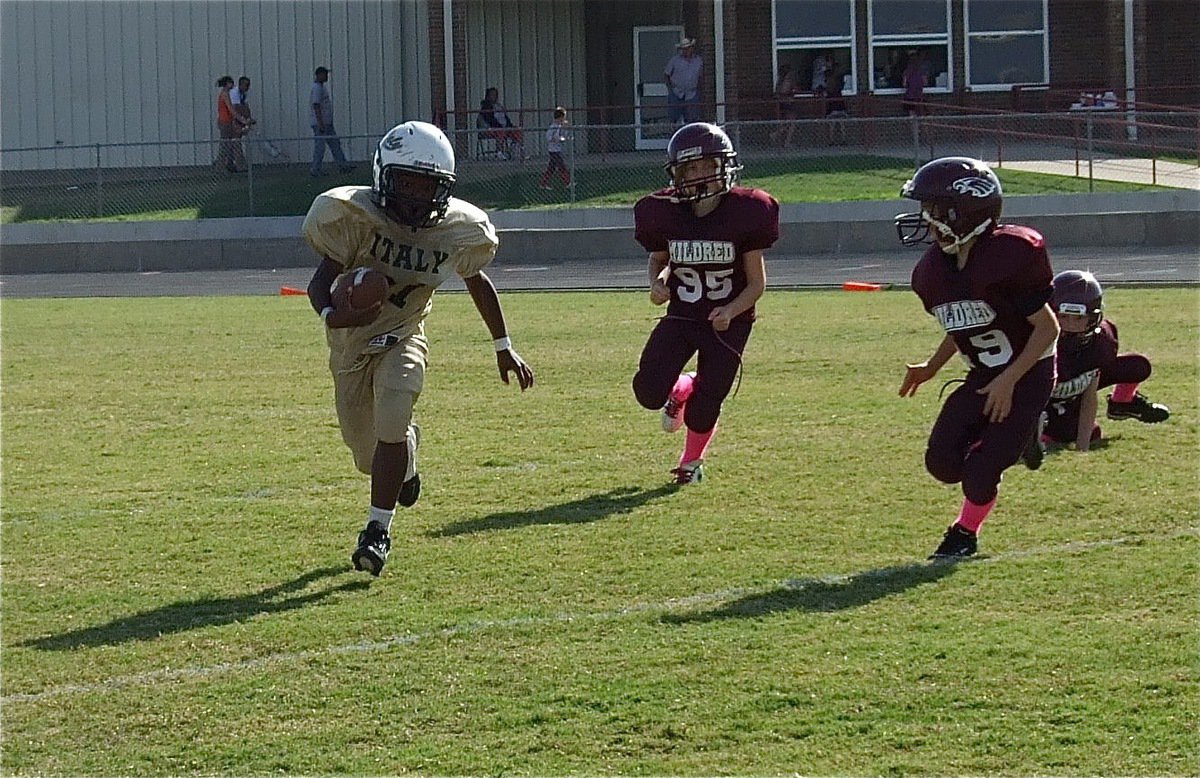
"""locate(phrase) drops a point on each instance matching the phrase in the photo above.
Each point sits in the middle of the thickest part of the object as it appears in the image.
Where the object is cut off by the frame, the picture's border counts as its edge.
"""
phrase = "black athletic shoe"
(691, 473)
(410, 492)
(1035, 452)
(958, 543)
(1139, 408)
(373, 547)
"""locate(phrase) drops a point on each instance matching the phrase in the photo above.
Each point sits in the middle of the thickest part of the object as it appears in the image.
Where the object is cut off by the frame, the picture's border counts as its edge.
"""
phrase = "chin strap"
(946, 232)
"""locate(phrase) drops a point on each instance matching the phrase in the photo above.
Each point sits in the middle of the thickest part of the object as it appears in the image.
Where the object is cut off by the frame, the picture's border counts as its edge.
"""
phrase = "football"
(361, 288)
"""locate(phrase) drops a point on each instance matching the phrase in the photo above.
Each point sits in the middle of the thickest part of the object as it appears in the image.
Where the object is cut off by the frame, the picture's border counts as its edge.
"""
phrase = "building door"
(652, 47)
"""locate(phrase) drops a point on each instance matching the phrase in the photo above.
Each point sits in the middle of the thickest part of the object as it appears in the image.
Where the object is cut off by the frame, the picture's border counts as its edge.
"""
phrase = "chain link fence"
(189, 180)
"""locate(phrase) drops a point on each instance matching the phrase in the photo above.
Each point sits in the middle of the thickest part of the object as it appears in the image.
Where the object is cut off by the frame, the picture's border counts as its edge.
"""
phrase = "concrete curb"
(1119, 219)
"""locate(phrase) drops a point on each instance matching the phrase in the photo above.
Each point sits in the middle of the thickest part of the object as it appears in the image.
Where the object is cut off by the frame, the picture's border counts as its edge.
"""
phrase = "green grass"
(178, 514)
(289, 190)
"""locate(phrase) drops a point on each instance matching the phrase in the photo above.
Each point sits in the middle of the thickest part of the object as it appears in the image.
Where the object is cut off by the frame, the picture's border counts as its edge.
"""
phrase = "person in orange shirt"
(230, 154)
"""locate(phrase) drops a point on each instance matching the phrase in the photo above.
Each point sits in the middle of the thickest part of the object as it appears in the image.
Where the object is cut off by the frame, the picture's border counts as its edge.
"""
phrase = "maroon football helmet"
(1078, 292)
(701, 140)
(960, 198)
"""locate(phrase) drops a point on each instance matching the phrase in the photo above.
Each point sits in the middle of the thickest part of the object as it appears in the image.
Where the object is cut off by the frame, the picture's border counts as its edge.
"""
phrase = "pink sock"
(971, 516)
(1122, 393)
(683, 387)
(696, 446)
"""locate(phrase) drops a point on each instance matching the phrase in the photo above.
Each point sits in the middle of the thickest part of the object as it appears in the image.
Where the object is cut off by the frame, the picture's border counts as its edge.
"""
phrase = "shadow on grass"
(195, 614)
(587, 509)
(830, 593)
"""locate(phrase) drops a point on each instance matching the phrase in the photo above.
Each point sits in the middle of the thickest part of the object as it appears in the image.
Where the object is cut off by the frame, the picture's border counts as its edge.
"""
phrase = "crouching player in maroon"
(988, 285)
(1087, 362)
(706, 239)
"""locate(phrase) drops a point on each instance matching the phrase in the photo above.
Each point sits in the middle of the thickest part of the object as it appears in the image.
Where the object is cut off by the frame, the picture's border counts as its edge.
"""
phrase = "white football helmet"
(413, 149)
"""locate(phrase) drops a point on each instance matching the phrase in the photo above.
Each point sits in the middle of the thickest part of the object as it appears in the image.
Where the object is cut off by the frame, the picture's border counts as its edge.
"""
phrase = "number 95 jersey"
(985, 306)
(705, 253)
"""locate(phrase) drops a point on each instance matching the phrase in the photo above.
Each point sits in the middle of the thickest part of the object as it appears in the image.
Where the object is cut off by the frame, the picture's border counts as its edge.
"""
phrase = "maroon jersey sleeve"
(762, 213)
(648, 219)
(1028, 278)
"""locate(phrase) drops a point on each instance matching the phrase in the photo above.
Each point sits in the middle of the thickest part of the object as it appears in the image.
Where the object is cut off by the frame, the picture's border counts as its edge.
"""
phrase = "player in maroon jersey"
(1087, 362)
(988, 285)
(706, 238)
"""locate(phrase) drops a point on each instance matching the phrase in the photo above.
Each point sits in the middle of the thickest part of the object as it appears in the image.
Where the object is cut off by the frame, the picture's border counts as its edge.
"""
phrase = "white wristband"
(502, 344)
(324, 314)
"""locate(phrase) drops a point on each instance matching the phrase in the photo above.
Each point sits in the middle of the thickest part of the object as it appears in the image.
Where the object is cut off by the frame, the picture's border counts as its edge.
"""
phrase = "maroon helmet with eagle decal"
(1078, 292)
(960, 199)
(701, 140)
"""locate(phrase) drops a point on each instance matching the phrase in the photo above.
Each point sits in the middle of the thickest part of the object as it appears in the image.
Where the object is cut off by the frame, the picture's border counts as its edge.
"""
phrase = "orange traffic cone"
(861, 286)
(291, 290)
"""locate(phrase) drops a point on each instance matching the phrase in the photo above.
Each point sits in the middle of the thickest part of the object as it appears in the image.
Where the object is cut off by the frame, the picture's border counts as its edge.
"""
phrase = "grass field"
(289, 190)
(179, 511)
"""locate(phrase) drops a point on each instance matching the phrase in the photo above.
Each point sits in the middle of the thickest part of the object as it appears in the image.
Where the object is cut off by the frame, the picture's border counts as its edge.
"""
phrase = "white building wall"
(533, 52)
(87, 72)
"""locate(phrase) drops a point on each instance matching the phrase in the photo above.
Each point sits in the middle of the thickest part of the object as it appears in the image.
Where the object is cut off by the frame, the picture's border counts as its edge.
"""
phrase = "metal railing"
(604, 165)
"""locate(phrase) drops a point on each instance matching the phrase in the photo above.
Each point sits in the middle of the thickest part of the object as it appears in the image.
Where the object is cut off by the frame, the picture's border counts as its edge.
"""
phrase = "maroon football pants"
(667, 351)
(965, 447)
(1062, 418)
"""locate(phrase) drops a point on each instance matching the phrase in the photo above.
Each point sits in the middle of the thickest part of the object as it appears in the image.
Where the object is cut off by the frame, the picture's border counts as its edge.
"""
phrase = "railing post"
(99, 186)
(249, 172)
(916, 138)
(1090, 152)
(572, 172)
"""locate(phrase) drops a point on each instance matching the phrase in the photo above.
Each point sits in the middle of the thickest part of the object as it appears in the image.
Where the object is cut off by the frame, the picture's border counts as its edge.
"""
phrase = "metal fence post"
(99, 186)
(572, 173)
(249, 173)
(1090, 152)
(916, 138)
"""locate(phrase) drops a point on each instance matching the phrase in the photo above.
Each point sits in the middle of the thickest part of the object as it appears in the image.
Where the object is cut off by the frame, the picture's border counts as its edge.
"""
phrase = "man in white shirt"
(682, 76)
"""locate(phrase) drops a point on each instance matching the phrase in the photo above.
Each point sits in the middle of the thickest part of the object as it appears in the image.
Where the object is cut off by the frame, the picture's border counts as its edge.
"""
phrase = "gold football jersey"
(344, 225)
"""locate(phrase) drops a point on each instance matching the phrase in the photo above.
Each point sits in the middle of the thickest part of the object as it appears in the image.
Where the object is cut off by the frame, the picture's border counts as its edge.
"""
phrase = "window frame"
(918, 40)
(968, 35)
(824, 42)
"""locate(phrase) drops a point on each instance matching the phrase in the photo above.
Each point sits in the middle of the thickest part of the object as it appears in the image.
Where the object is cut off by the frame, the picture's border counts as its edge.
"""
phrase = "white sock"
(382, 516)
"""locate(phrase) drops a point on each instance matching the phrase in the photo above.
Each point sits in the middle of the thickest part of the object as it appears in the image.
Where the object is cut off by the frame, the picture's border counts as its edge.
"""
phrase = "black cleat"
(410, 491)
(1035, 452)
(374, 543)
(691, 473)
(958, 543)
(1139, 408)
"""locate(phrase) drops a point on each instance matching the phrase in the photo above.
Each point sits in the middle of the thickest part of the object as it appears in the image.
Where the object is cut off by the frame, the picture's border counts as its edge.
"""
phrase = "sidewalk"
(1140, 171)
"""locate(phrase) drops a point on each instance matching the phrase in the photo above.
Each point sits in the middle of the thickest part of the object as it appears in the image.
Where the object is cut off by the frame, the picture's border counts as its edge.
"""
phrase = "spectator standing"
(914, 84)
(835, 106)
(556, 136)
(229, 155)
(682, 76)
(320, 109)
(496, 123)
(239, 97)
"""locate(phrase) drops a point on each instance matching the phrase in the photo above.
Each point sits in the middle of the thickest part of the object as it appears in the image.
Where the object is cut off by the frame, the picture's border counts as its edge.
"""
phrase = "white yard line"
(664, 606)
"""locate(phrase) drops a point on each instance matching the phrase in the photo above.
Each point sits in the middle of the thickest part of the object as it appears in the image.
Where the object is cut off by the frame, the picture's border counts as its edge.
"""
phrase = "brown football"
(361, 288)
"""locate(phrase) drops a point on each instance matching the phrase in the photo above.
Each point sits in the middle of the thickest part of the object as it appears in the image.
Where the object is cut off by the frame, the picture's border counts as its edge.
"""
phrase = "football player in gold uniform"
(408, 226)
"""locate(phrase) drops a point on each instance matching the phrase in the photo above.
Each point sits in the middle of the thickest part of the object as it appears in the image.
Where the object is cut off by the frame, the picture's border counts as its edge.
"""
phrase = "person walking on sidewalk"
(320, 110)
(556, 136)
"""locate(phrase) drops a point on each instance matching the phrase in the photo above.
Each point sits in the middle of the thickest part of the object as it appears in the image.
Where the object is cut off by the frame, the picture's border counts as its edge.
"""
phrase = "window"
(904, 29)
(815, 39)
(1006, 43)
